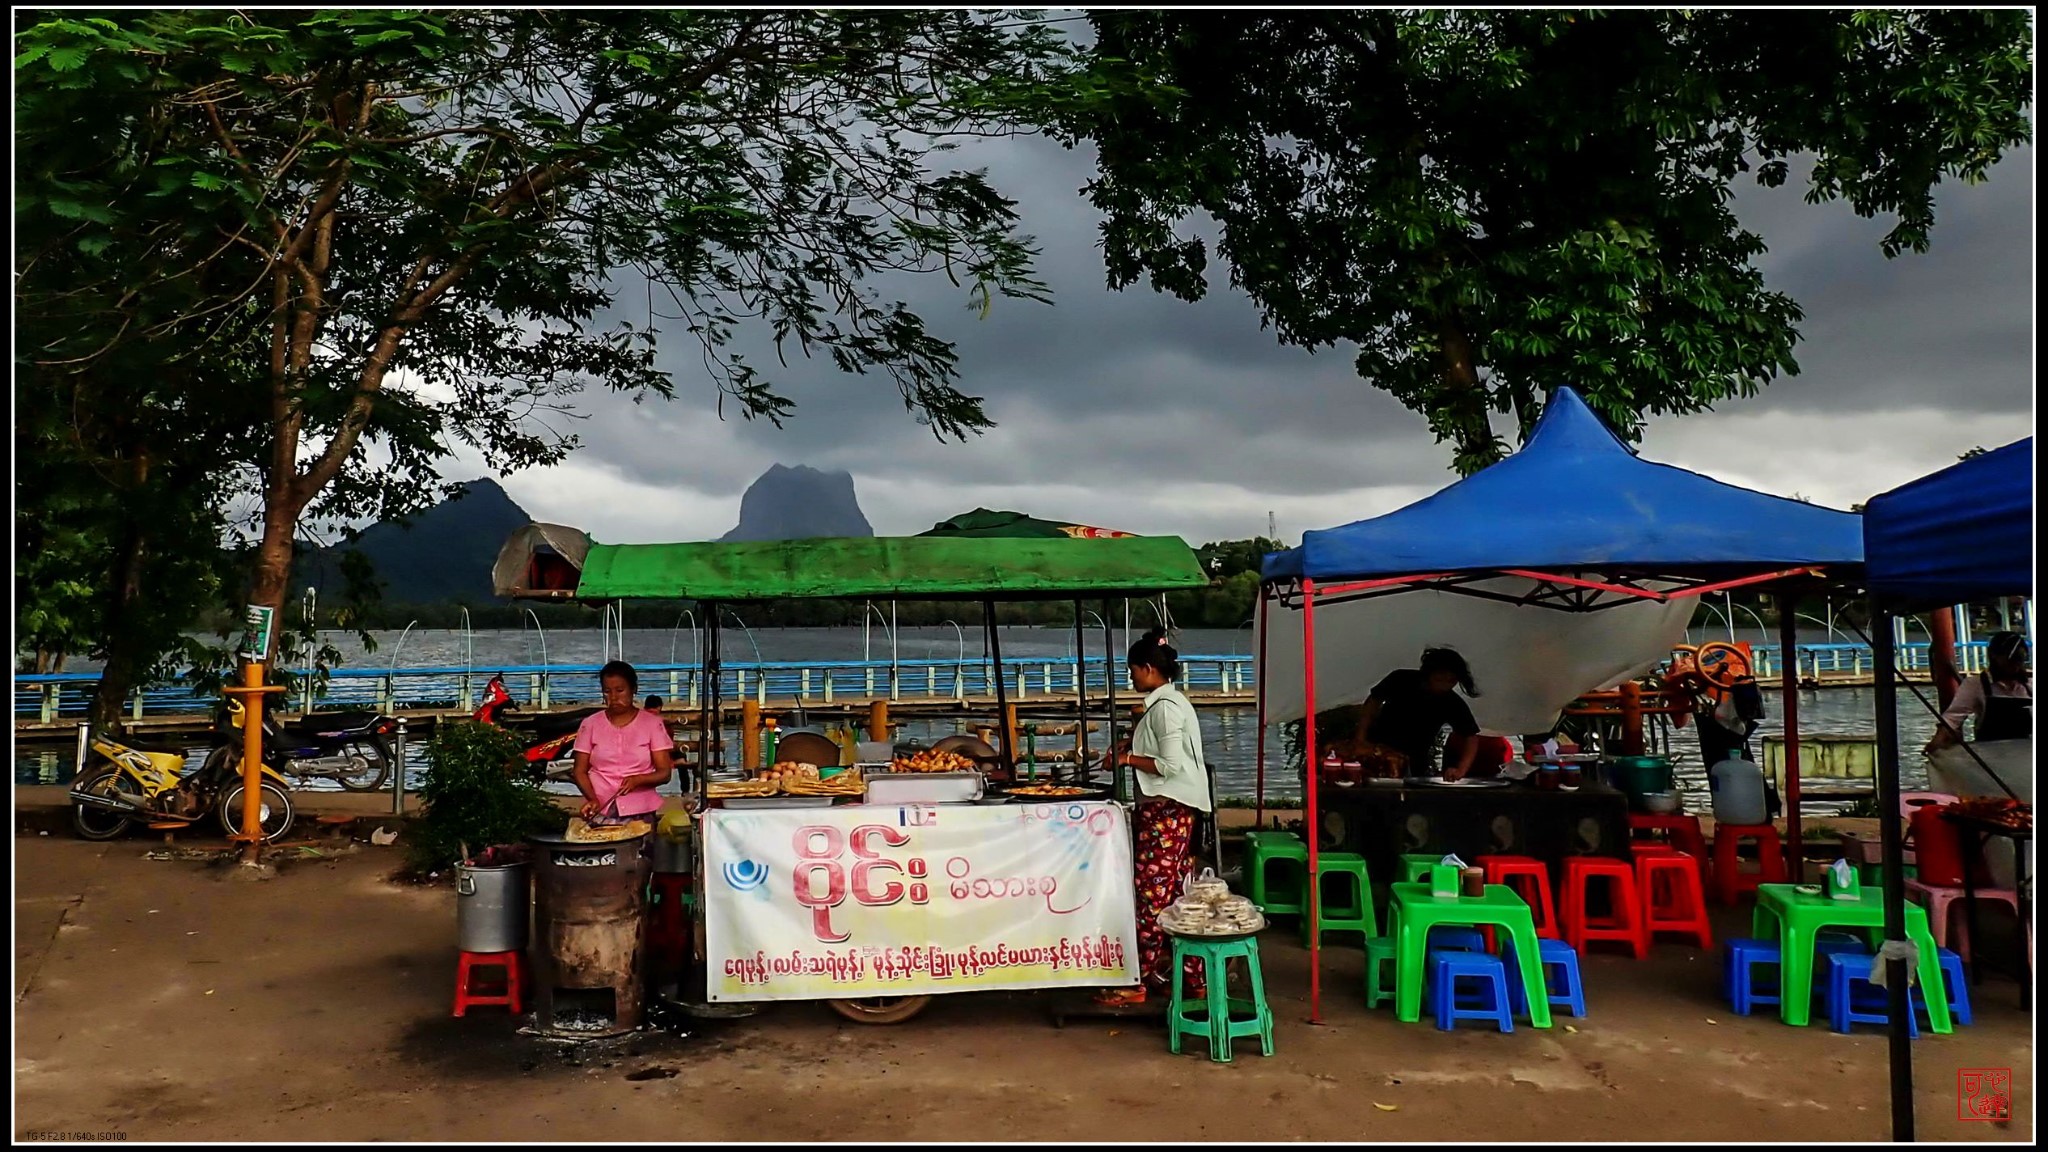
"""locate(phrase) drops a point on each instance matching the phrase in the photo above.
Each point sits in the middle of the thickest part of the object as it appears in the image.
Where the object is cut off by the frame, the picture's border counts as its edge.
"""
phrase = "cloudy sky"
(1136, 411)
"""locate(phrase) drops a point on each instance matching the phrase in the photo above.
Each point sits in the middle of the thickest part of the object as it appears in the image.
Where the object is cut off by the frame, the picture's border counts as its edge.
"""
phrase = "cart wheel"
(880, 1009)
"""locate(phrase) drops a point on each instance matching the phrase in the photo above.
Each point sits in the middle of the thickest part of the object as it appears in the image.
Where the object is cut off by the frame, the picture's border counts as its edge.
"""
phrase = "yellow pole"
(750, 734)
(878, 720)
(252, 762)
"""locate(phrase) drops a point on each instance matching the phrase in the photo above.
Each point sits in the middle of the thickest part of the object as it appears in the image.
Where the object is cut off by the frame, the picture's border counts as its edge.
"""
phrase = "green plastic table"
(1797, 918)
(1414, 911)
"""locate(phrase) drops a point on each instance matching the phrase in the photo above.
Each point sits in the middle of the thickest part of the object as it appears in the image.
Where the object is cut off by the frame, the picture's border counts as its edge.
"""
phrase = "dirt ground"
(162, 1000)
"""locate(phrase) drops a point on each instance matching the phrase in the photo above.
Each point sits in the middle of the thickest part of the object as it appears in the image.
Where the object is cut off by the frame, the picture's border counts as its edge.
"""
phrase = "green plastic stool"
(1264, 848)
(1223, 1017)
(1355, 914)
(1415, 866)
(1378, 950)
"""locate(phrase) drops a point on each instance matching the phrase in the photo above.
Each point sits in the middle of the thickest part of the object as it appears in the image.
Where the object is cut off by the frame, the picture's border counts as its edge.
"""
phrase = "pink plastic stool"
(1941, 901)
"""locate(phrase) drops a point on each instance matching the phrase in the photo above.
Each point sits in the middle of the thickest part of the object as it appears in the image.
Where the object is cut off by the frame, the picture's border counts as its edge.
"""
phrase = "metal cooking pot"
(674, 854)
(491, 908)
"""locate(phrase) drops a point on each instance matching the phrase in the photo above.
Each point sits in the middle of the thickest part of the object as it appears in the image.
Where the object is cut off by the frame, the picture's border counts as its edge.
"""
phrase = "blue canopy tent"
(1961, 534)
(1576, 522)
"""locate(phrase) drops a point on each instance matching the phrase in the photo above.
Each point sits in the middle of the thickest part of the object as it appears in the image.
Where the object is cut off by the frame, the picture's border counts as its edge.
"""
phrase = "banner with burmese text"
(872, 900)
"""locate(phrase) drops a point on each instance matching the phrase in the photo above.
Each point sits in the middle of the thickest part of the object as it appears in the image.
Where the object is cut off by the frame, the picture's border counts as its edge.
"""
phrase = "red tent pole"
(1312, 904)
(1788, 656)
(1259, 806)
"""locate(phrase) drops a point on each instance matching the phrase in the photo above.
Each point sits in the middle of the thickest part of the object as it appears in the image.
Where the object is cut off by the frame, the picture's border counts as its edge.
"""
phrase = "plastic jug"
(1737, 786)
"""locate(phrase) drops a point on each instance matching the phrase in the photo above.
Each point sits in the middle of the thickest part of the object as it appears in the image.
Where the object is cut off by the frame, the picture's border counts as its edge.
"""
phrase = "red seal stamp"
(1984, 1094)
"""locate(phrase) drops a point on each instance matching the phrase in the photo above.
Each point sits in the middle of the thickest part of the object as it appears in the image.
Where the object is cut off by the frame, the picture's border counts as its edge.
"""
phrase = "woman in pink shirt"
(622, 753)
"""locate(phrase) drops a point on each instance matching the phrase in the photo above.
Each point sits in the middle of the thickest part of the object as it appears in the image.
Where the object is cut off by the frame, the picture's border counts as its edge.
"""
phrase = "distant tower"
(1272, 527)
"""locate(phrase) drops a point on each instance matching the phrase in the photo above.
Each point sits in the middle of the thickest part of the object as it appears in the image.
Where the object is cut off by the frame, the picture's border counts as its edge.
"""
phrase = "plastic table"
(1414, 911)
(1793, 918)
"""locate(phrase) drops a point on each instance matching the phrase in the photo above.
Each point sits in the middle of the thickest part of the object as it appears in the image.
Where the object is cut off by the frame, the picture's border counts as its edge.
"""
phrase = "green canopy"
(899, 567)
(984, 523)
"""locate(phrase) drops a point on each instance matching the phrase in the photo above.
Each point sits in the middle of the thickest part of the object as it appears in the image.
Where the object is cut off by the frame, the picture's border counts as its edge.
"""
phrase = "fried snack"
(1049, 790)
(734, 789)
(581, 831)
(933, 761)
(845, 784)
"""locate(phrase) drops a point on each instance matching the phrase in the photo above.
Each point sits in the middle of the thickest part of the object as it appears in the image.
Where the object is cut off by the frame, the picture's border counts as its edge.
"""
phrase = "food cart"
(808, 888)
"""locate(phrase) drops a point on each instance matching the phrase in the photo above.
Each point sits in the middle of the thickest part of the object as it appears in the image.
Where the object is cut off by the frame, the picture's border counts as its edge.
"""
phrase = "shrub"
(472, 798)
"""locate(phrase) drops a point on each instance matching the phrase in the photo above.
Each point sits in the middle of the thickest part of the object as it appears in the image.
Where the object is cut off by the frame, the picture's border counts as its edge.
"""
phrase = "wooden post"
(878, 720)
(1632, 719)
(750, 734)
(1010, 727)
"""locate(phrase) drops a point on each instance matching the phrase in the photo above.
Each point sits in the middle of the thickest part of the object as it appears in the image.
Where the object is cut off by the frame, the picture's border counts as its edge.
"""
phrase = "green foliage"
(474, 796)
(1487, 204)
(312, 254)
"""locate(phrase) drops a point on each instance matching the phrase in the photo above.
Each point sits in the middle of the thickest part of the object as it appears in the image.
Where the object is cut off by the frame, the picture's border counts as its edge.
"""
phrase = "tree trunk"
(1464, 400)
(123, 665)
(270, 580)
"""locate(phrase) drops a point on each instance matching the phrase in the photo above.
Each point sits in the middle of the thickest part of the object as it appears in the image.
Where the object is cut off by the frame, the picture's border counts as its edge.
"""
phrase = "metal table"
(1976, 832)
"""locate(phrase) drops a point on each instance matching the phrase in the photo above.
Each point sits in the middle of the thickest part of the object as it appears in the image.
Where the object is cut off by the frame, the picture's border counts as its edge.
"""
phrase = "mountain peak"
(797, 503)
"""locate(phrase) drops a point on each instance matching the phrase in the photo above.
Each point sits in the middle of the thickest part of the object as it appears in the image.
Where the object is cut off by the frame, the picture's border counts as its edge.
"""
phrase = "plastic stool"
(1942, 903)
(1355, 913)
(1530, 879)
(1958, 988)
(1738, 979)
(1673, 899)
(1683, 830)
(466, 967)
(1729, 878)
(1261, 851)
(1846, 1007)
(1415, 866)
(1456, 938)
(1446, 968)
(1625, 923)
(1378, 950)
(668, 926)
(1219, 1016)
(1554, 954)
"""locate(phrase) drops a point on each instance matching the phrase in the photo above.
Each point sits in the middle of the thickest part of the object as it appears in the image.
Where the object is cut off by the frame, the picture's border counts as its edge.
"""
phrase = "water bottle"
(1436, 754)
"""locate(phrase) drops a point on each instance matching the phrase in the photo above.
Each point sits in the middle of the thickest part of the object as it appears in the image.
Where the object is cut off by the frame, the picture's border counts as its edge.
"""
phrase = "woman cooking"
(1411, 706)
(1165, 751)
(622, 753)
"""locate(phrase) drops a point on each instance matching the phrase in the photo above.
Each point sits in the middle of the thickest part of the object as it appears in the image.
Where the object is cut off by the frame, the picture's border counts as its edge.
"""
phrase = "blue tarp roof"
(1961, 534)
(1575, 497)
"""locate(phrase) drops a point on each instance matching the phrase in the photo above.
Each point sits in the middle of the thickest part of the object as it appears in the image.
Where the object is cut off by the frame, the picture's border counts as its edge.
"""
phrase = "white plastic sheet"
(1528, 662)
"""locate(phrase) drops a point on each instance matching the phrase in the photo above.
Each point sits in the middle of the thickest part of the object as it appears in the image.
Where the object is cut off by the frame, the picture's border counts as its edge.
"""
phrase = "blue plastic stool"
(1450, 938)
(1446, 968)
(1738, 981)
(1554, 954)
(1849, 1004)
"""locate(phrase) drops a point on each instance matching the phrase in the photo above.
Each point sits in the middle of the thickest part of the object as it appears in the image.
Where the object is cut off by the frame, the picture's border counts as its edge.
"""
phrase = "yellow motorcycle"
(129, 781)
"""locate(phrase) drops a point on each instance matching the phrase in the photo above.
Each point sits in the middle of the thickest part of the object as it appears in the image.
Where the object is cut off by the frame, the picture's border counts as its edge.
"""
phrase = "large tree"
(1488, 204)
(421, 228)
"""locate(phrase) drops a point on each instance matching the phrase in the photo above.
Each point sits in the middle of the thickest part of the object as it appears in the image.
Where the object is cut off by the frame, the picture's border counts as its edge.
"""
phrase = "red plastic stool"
(668, 928)
(1625, 923)
(1530, 878)
(1683, 830)
(1674, 900)
(1729, 878)
(467, 998)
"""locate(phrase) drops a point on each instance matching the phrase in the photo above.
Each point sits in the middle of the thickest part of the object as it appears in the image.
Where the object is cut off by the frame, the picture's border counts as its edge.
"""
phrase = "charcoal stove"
(589, 911)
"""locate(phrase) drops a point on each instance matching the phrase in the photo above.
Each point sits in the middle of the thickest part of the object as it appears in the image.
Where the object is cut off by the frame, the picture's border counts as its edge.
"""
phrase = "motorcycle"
(131, 781)
(550, 741)
(349, 748)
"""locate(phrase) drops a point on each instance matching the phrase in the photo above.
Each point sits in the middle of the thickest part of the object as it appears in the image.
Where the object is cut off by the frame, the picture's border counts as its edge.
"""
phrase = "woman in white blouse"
(1165, 751)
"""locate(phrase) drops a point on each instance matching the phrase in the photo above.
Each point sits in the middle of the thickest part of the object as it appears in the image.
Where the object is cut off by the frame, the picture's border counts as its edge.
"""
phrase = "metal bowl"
(1660, 803)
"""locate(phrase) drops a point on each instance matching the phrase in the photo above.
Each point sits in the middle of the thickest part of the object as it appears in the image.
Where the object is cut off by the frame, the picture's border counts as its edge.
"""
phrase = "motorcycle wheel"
(881, 1009)
(373, 753)
(275, 813)
(99, 823)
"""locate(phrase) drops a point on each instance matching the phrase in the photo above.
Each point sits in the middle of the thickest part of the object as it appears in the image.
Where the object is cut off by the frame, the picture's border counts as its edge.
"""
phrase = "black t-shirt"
(1411, 716)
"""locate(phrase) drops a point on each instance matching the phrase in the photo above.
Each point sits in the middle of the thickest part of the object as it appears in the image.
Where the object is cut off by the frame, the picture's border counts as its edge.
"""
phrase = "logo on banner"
(746, 875)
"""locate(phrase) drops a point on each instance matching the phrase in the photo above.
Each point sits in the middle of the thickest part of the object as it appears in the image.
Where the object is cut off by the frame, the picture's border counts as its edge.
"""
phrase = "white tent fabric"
(1528, 662)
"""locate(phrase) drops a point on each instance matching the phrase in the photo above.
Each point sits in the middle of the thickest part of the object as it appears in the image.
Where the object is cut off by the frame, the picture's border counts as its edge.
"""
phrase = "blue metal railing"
(52, 696)
(69, 694)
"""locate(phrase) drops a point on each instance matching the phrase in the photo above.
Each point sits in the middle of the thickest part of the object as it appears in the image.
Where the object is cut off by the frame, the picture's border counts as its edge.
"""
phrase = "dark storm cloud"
(1130, 409)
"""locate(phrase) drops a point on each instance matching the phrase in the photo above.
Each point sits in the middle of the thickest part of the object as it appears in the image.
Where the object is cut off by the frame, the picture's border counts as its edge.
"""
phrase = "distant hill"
(443, 555)
(799, 503)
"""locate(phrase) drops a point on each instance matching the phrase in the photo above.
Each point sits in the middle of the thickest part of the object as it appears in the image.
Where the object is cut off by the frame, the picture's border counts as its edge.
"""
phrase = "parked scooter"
(550, 739)
(127, 781)
(350, 748)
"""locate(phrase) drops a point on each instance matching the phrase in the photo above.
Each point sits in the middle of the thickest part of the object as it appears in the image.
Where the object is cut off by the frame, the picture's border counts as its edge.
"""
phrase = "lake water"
(1229, 734)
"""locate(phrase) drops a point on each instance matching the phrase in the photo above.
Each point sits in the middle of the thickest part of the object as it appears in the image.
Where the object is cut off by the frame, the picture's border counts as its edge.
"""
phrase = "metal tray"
(924, 787)
(777, 801)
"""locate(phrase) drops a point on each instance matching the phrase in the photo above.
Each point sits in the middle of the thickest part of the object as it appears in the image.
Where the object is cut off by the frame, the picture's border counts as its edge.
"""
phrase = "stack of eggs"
(1210, 910)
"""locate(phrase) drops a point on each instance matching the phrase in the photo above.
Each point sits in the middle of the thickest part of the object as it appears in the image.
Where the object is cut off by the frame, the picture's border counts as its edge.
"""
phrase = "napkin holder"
(1839, 881)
